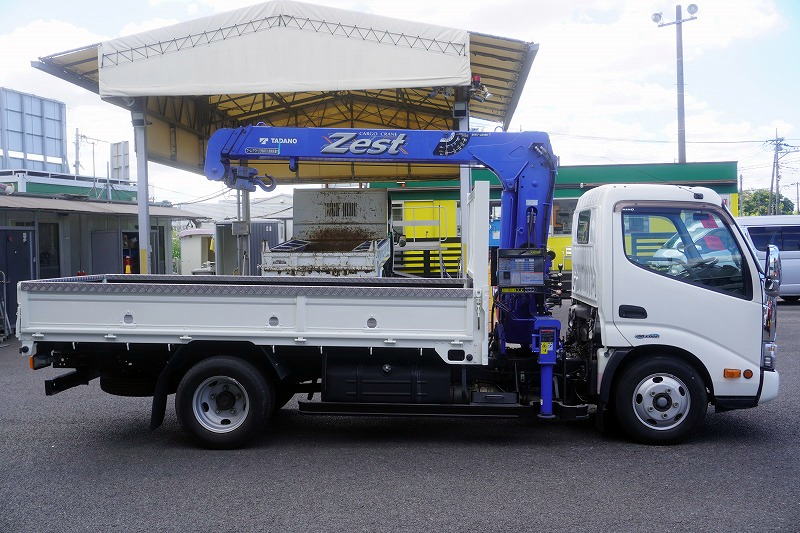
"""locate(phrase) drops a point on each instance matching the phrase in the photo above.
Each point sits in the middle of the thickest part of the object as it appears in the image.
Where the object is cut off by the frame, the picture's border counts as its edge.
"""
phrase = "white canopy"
(283, 46)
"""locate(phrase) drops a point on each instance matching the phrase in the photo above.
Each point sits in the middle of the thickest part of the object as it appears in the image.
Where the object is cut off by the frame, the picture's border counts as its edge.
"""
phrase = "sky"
(603, 83)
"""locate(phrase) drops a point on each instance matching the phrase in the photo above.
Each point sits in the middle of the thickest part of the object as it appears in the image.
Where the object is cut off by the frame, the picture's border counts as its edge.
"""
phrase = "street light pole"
(679, 20)
(681, 112)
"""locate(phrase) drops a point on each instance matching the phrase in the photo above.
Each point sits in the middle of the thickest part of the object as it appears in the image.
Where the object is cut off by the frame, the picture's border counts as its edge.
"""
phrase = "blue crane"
(523, 162)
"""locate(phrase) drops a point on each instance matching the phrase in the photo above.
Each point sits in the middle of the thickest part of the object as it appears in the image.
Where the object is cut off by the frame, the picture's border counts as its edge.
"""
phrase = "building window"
(563, 210)
(49, 264)
(636, 224)
(397, 216)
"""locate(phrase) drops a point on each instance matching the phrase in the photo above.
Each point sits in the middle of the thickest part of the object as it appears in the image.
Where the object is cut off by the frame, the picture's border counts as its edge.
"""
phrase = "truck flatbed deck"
(174, 279)
(295, 311)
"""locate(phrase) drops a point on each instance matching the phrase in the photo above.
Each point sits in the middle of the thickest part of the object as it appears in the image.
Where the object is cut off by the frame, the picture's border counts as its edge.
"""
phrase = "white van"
(784, 232)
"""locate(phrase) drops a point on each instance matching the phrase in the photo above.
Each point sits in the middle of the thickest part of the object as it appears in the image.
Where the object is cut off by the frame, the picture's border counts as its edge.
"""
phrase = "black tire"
(642, 375)
(257, 393)
(790, 299)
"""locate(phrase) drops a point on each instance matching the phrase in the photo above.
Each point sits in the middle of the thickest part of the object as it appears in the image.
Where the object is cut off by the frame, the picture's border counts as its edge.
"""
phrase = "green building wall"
(98, 192)
(572, 181)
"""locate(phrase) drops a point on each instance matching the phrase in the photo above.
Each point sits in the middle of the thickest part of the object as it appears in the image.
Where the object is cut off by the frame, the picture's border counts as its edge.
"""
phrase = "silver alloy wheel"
(661, 401)
(220, 404)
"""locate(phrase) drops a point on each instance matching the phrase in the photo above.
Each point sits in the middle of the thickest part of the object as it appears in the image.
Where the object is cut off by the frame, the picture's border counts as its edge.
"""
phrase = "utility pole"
(777, 185)
(772, 179)
(93, 142)
(679, 20)
(781, 149)
(77, 152)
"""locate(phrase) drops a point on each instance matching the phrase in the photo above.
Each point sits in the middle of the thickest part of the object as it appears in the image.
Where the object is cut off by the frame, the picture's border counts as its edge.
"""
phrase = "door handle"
(632, 311)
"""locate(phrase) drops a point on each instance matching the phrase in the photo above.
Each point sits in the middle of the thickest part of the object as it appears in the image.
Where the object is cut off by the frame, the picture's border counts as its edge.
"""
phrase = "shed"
(68, 235)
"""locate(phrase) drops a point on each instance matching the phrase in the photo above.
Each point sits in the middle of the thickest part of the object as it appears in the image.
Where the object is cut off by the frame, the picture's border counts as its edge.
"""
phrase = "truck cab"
(676, 306)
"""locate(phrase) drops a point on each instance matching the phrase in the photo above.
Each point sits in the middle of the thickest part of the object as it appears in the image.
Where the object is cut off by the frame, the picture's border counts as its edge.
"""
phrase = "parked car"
(709, 241)
(784, 232)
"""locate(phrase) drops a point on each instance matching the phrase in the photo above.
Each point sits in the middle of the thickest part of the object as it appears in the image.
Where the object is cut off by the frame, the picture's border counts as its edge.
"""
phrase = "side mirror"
(772, 271)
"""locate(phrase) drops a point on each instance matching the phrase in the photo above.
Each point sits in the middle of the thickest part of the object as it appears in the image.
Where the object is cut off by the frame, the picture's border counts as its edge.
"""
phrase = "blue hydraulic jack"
(547, 341)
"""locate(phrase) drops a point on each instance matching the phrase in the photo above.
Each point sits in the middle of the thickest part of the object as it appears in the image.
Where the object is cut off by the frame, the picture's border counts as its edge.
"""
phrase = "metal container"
(337, 232)
(340, 214)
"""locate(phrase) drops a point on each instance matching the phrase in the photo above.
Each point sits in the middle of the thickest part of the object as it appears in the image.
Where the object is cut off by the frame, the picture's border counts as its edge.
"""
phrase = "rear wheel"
(660, 399)
(223, 401)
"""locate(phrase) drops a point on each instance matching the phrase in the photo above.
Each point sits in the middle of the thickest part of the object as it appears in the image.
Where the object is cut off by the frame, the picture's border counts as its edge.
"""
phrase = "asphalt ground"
(85, 461)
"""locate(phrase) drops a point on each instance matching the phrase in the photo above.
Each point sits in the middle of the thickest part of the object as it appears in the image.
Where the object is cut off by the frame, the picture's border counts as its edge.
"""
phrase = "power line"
(267, 215)
(658, 141)
(206, 198)
(753, 167)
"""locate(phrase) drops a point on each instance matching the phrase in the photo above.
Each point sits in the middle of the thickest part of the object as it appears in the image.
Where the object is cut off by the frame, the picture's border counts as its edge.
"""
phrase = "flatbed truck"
(670, 311)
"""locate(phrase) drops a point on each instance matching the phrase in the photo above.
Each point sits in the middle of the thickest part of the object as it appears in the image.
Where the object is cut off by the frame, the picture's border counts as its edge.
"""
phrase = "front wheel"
(660, 399)
(223, 401)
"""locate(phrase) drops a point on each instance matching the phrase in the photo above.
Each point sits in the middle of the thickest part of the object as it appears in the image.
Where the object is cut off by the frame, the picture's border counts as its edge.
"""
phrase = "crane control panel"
(520, 269)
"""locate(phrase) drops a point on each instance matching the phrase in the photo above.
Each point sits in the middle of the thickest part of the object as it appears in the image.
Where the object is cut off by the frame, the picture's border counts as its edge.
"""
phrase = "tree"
(756, 202)
(176, 252)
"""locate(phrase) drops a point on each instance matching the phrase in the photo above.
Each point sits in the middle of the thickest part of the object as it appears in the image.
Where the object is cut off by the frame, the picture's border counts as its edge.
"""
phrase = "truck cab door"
(682, 278)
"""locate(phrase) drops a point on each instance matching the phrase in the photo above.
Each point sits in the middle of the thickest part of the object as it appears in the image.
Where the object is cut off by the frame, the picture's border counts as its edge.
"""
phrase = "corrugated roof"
(38, 203)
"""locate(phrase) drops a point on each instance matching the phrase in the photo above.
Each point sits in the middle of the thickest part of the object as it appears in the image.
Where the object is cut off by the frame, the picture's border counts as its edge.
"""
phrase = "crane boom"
(523, 162)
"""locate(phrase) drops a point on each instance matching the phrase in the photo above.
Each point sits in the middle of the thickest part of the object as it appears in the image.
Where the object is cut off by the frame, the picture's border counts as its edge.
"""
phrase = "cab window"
(691, 245)
(582, 233)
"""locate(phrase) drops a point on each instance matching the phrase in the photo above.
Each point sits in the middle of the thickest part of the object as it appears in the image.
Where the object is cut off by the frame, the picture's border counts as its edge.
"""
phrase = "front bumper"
(768, 392)
(769, 386)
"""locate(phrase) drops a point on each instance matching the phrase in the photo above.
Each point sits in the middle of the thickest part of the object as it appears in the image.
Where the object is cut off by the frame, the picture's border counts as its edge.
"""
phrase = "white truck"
(665, 318)
(652, 342)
